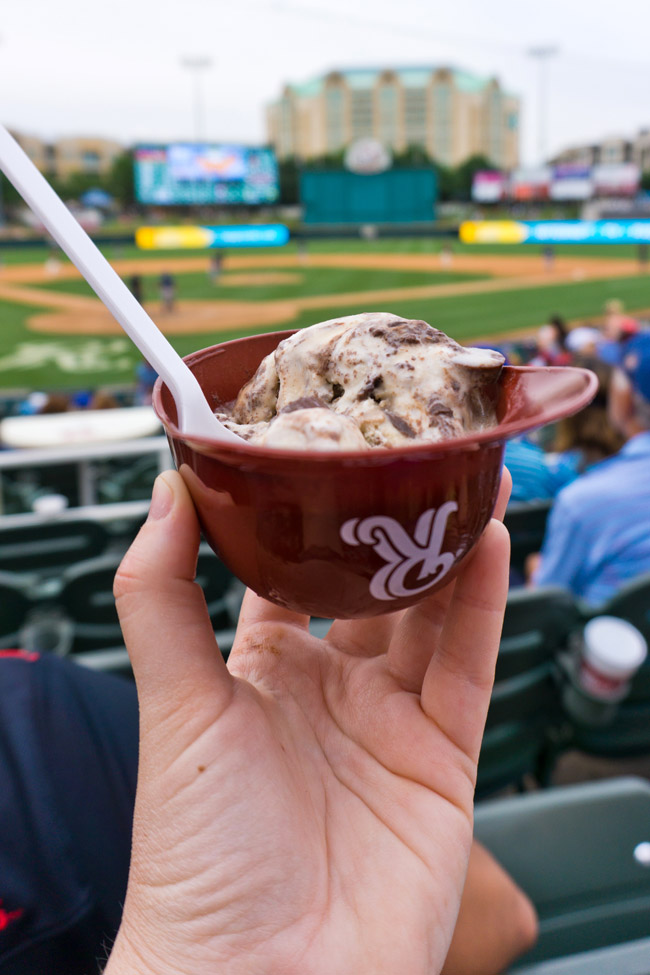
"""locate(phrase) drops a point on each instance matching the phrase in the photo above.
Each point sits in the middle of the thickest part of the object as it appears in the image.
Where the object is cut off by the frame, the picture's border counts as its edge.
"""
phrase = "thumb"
(162, 611)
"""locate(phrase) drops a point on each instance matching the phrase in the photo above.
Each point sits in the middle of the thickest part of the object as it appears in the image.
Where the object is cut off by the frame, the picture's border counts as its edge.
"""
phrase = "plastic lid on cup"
(614, 647)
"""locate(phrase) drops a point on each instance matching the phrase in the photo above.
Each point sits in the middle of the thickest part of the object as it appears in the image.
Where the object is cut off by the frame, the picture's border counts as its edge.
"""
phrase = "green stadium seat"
(87, 598)
(632, 603)
(131, 481)
(581, 854)
(526, 523)
(525, 703)
(628, 958)
(50, 546)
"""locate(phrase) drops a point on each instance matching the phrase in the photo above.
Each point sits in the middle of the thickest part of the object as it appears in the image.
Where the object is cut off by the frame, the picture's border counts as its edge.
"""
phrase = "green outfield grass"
(470, 316)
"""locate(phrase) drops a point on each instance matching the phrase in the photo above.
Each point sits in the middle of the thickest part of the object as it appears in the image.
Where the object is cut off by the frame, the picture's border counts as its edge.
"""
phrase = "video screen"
(195, 173)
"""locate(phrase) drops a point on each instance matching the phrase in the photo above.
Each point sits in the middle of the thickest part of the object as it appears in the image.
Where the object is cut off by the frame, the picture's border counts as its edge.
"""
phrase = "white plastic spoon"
(195, 417)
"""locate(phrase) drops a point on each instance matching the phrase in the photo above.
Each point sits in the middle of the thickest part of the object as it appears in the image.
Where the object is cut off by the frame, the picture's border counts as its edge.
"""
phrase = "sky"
(116, 69)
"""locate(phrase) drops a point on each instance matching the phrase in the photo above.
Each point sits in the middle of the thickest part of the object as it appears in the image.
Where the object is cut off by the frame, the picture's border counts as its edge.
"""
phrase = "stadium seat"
(14, 607)
(627, 958)
(632, 603)
(525, 703)
(132, 481)
(87, 598)
(526, 522)
(581, 854)
(50, 545)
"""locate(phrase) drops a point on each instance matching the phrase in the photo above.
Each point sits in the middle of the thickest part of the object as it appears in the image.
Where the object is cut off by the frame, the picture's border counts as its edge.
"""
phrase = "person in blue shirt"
(598, 535)
(536, 476)
(578, 443)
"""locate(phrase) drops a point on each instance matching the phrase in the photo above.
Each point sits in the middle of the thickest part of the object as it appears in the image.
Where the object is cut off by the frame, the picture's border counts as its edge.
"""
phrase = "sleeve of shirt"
(564, 551)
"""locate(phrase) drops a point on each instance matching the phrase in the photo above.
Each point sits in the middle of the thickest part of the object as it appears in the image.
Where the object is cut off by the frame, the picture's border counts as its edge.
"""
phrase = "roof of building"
(410, 77)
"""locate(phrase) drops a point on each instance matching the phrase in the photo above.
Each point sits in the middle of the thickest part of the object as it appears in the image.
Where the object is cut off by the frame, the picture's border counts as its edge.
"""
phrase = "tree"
(120, 181)
(8, 193)
(289, 178)
(413, 155)
(73, 186)
(464, 175)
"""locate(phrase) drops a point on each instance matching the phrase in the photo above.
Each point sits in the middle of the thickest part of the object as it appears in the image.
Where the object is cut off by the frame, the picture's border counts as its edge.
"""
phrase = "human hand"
(306, 810)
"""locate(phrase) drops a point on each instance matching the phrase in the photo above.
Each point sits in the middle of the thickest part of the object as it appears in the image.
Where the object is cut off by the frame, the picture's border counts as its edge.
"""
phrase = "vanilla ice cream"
(369, 380)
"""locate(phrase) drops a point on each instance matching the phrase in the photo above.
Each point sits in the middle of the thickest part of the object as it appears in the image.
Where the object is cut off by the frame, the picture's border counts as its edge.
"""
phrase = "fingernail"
(161, 499)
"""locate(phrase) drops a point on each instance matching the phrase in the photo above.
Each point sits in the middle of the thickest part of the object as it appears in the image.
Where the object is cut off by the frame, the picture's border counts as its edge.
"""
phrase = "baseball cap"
(582, 337)
(635, 362)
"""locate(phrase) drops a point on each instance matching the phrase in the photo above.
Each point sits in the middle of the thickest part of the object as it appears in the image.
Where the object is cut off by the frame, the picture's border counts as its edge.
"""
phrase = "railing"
(82, 457)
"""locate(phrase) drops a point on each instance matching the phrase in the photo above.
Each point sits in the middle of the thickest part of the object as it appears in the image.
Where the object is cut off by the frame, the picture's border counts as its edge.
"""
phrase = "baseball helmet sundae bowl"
(349, 497)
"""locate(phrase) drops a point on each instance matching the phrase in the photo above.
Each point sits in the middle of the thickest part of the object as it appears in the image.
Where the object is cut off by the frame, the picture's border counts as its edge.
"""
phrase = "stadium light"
(542, 53)
(196, 65)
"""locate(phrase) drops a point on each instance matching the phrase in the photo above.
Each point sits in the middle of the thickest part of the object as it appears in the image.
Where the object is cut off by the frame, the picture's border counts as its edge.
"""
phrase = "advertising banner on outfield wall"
(197, 238)
(489, 186)
(555, 232)
(622, 179)
(530, 184)
(571, 183)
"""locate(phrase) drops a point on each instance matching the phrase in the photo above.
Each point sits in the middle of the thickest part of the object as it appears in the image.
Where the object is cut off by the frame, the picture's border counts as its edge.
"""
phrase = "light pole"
(196, 65)
(542, 53)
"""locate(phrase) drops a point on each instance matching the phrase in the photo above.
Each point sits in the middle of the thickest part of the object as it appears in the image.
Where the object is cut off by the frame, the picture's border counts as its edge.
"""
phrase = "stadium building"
(612, 150)
(451, 113)
(61, 158)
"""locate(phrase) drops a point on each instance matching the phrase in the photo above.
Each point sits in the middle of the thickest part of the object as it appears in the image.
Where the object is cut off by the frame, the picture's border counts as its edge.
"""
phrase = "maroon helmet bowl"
(351, 534)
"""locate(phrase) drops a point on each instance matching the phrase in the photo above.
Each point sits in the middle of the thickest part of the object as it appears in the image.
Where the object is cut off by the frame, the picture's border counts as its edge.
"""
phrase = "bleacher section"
(578, 852)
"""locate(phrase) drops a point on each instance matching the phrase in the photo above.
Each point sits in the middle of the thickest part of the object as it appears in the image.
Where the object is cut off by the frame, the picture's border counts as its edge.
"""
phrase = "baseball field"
(55, 334)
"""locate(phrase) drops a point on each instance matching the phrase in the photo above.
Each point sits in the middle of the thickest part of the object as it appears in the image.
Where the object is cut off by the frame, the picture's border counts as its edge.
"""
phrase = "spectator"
(578, 442)
(618, 328)
(56, 403)
(535, 477)
(550, 343)
(81, 399)
(103, 400)
(583, 340)
(146, 376)
(34, 403)
(587, 437)
(598, 536)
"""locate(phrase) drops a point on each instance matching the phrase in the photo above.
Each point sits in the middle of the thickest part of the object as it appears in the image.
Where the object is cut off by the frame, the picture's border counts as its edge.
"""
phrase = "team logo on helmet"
(414, 564)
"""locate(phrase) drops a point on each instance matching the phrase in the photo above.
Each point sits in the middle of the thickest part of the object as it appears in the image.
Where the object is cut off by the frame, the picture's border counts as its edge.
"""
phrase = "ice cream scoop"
(398, 381)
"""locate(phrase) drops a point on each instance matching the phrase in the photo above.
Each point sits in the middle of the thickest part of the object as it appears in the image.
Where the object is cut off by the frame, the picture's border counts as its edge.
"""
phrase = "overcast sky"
(114, 69)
